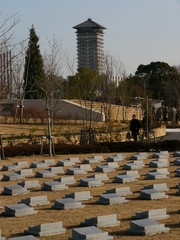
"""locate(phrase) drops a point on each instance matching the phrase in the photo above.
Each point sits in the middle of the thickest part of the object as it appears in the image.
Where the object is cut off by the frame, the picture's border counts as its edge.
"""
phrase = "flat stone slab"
(74, 159)
(56, 170)
(54, 186)
(90, 160)
(155, 175)
(132, 166)
(10, 167)
(176, 154)
(159, 164)
(39, 165)
(67, 203)
(22, 164)
(162, 154)
(30, 237)
(12, 177)
(116, 158)
(177, 172)
(111, 199)
(85, 167)
(138, 157)
(26, 173)
(67, 180)
(66, 163)
(75, 171)
(177, 162)
(17, 210)
(146, 227)
(14, 190)
(113, 164)
(46, 229)
(36, 201)
(161, 187)
(89, 233)
(104, 168)
(155, 214)
(102, 221)
(152, 194)
(101, 176)
(123, 191)
(80, 196)
(124, 179)
(49, 162)
(91, 182)
(45, 174)
(30, 184)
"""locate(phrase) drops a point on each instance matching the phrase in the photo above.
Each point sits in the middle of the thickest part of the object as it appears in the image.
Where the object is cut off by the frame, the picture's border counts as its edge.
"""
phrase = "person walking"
(134, 127)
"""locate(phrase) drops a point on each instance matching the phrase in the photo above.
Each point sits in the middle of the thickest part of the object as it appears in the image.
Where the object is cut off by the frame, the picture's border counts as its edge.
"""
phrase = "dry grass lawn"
(14, 226)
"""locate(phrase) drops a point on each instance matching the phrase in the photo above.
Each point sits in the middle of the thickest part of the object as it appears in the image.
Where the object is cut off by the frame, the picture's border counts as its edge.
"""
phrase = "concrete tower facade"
(90, 45)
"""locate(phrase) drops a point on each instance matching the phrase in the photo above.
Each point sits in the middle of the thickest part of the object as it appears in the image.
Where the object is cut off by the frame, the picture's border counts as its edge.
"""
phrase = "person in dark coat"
(134, 127)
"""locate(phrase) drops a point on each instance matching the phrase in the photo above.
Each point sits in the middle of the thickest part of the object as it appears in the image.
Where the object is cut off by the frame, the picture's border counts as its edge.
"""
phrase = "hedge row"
(106, 147)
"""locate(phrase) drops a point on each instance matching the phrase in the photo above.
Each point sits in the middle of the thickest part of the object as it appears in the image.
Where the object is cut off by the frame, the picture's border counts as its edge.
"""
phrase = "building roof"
(89, 24)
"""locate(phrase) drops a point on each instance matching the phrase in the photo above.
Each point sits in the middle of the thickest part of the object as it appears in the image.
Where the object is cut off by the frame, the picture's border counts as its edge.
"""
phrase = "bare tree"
(51, 86)
(114, 73)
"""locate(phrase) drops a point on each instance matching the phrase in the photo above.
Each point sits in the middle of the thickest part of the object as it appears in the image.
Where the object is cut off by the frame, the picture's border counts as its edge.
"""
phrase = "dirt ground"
(15, 226)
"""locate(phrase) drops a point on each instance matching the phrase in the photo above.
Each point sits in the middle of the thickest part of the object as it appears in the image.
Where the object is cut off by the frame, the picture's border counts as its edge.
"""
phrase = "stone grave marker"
(14, 190)
(176, 154)
(26, 172)
(12, 177)
(45, 174)
(159, 163)
(133, 165)
(75, 171)
(160, 173)
(22, 164)
(177, 172)
(116, 158)
(104, 168)
(90, 182)
(177, 162)
(161, 187)
(155, 214)
(36, 201)
(102, 221)
(79, 196)
(39, 165)
(10, 167)
(101, 176)
(56, 170)
(91, 233)
(46, 229)
(49, 162)
(138, 156)
(66, 163)
(17, 210)
(29, 237)
(67, 203)
(30, 184)
(123, 191)
(152, 194)
(54, 186)
(111, 199)
(146, 227)
(67, 180)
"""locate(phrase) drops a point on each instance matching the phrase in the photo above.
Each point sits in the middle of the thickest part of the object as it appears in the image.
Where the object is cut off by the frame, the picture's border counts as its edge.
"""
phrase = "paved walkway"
(171, 134)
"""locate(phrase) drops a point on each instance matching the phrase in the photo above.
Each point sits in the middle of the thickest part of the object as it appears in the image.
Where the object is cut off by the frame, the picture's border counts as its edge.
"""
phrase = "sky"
(137, 31)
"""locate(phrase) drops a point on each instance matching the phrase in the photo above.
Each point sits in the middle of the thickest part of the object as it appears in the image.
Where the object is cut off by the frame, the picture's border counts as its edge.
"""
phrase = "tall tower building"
(90, 45)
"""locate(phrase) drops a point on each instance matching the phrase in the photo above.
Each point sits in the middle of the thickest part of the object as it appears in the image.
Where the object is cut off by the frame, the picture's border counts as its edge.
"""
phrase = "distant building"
(90, 45)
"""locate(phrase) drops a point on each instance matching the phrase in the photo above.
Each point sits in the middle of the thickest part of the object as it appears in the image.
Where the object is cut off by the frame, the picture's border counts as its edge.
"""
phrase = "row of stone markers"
(148, 225)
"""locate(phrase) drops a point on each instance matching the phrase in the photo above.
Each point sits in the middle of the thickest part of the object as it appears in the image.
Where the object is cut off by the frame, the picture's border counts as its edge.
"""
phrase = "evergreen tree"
(33, 70)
